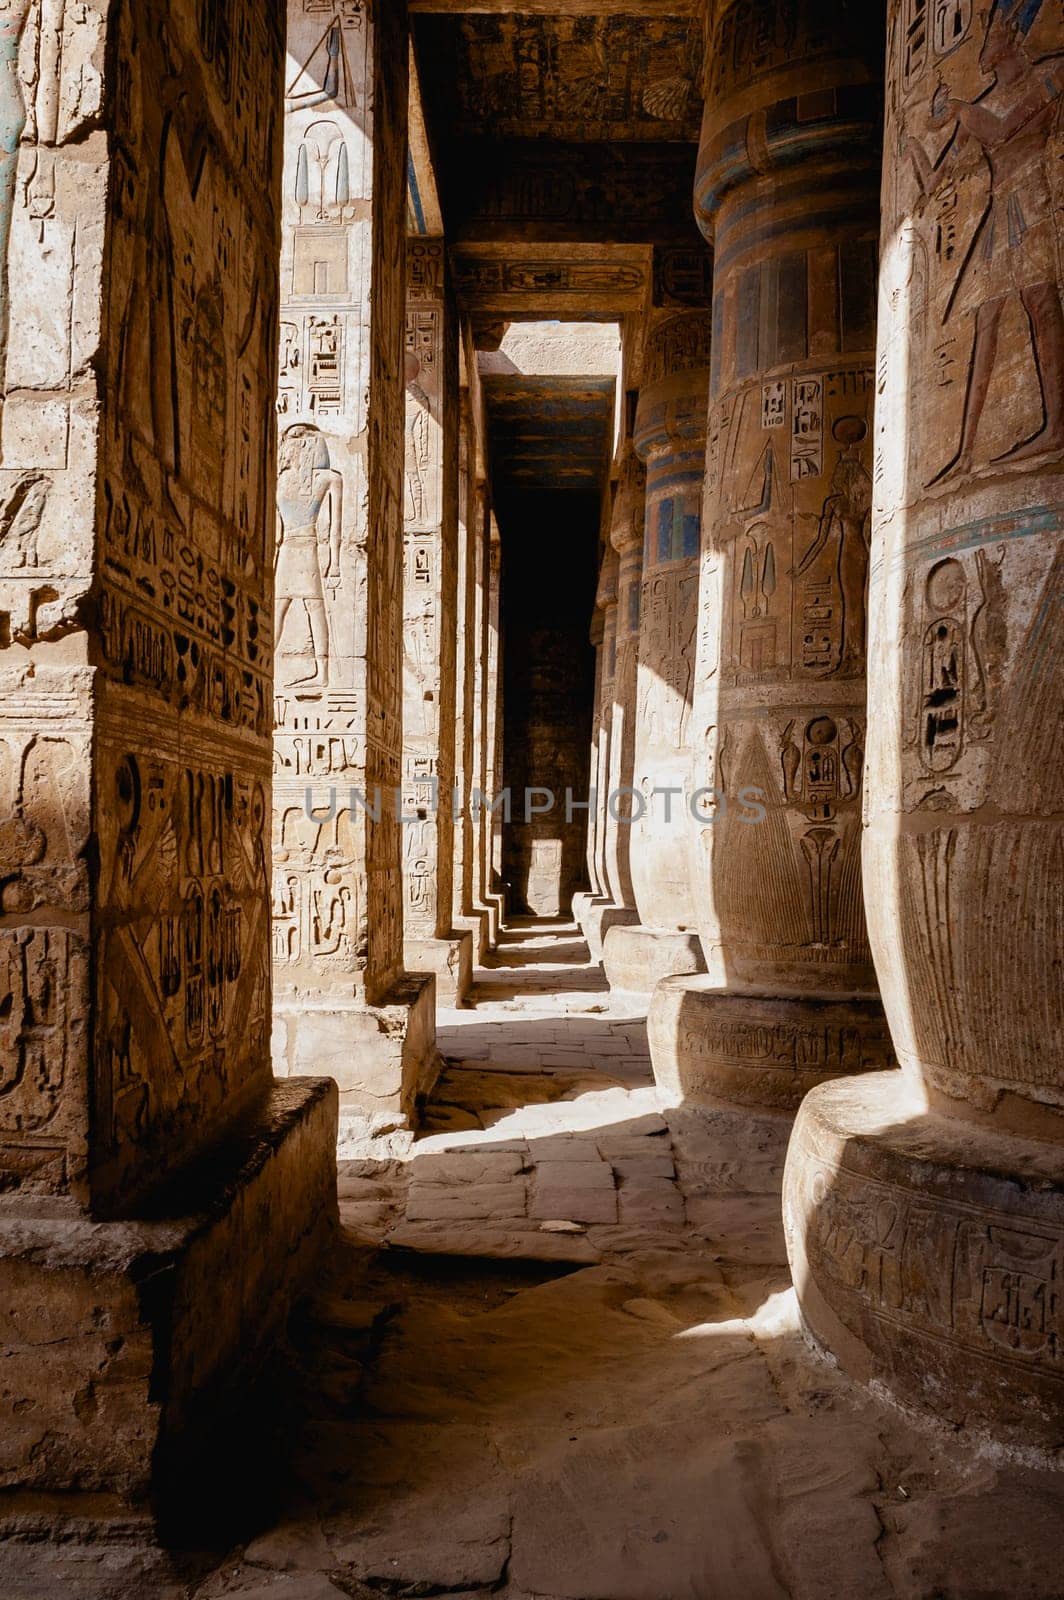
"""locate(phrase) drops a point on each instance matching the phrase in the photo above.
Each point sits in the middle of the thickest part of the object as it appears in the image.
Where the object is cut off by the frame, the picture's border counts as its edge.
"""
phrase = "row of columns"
(168, 626)
(384, 708)
(878, 504)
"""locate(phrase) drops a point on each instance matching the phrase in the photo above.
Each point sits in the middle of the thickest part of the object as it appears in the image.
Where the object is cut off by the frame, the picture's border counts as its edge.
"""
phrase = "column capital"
(788, 86)
(674, 394)
(628, 516)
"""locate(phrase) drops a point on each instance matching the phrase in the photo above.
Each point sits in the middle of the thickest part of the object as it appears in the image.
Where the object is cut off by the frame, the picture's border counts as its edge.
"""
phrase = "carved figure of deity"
(417, 440)
(1013, 251)
(29, 101)
(846, 522)
(170, 133)
(309, 518)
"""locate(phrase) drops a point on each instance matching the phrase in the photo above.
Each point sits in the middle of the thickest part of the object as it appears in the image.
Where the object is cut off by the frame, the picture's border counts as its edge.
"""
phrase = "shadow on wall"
(549, 543)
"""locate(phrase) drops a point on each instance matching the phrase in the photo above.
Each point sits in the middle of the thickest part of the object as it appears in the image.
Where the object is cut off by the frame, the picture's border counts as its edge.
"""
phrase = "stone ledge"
(449, 960)
(601, 917)
(636, 958)
(761, 1051)
(383, 1056)
(928, 1255)
(124, 1340)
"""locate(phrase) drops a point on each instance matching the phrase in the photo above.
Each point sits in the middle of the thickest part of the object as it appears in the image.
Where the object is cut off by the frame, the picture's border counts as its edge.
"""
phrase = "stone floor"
(557, 1358)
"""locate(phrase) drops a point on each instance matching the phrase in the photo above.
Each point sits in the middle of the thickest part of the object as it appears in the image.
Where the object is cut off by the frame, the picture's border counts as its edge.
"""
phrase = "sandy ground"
(557, 1357)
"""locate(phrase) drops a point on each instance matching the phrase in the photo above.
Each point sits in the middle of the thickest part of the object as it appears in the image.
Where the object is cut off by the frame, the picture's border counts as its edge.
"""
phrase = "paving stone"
(561, 1147)
(430, 1202)
(591, 1173)
(478, 1166)
(494, 1242)
(574, 1204)
(650, 1205)
(644, 1167)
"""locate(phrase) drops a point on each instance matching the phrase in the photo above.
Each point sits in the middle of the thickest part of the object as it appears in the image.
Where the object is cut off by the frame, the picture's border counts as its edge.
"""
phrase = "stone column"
(584, 897)
(138, 306)
(615, 803)
(604, 639)
(466, 912)
(925, 1210)
(343, 1000)
(430, 641)
(670, 437)
(607, 602)
(490, 884)
(787, 191)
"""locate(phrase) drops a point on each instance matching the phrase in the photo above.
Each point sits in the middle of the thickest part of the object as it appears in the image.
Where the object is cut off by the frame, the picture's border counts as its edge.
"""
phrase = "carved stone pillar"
(430, 642)
(607, 601)
(787, 189)
(925, 1210)
(615, 803)
(584, 898)
(466, 913)
(670, 437)
(343, 1000)
(489, 881)
(604, 638)
(136, 611)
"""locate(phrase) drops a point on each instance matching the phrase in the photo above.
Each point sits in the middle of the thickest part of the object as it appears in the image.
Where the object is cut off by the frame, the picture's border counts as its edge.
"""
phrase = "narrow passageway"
(558, 1355)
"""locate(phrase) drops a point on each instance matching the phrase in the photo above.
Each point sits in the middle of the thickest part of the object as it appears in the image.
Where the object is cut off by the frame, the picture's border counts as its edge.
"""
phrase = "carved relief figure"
(846, 524)
(20, 522)
(1013, 249)
(29, 102)
(308, 488)
(325, 76)
(418, 444)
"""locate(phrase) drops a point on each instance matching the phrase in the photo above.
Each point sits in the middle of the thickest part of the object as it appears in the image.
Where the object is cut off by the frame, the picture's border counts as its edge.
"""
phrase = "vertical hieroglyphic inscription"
(135, 584)
(787, 190)
(626, 536)
(967, 560)
(430, 582)
(670, 437)
(185, 508)
(339, 545)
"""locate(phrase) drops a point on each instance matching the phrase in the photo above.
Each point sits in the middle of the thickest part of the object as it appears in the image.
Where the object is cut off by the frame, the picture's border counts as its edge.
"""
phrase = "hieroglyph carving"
(339, 497)
(967, 562)
(133, 508)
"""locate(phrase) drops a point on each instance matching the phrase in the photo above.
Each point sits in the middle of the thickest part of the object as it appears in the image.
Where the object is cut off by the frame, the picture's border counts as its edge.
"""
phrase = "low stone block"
(127, 1340)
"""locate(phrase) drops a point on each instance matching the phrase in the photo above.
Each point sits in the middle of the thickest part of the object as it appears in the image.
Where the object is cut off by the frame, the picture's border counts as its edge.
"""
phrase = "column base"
(637, 958)
(581, 901)
(383, 1057)
(129, 1342)
(928, 1255)
(449, 961)
(497, 904)
(759, 1051)
(601, 917)
(478, 924)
